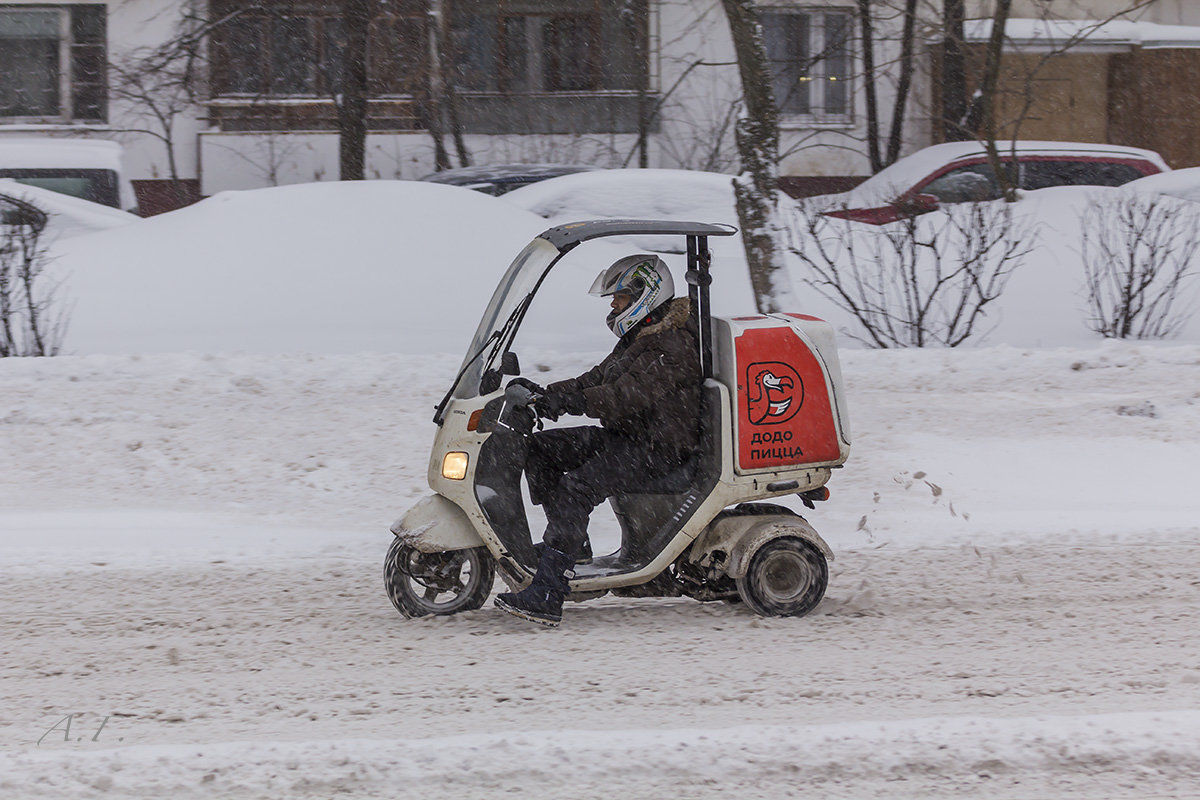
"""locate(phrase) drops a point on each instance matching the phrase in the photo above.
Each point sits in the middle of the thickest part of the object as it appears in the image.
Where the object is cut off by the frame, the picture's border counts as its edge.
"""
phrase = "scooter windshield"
(520, 279)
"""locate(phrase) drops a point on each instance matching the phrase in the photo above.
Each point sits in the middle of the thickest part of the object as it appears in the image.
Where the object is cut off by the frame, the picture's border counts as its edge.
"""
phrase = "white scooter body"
(774, 424)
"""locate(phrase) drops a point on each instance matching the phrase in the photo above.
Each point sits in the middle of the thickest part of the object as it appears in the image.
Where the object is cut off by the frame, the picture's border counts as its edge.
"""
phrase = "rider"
(646, 394)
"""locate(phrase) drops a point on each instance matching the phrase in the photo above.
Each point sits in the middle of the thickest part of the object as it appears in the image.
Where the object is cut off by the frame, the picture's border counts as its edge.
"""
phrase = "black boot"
(585, 553)
(541, 601)
(584, 557)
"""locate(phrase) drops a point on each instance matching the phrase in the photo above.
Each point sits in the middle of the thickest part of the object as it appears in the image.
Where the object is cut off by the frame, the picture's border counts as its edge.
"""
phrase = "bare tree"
(757, 135)
(1138, 250)
(866, 26)
(351, 101)
(987, 96)
(443, 97)
(635, 21)
(31, 322)
(954, 72)
(159, 86)
(916, 282)
(984, 118)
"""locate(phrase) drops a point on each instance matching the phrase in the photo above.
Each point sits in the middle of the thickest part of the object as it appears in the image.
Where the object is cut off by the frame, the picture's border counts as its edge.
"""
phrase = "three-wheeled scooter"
(773, 423)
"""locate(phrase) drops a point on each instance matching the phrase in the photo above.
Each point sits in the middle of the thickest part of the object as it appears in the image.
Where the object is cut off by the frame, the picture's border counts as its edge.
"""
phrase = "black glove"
(554, 404)
(528, 384)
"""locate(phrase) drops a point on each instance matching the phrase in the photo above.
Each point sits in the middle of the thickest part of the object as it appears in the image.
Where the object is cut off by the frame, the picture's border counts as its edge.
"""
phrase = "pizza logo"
(774, 392)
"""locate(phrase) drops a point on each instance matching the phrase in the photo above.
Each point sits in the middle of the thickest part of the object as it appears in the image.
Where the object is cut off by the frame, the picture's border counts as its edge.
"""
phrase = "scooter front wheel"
(422, 584)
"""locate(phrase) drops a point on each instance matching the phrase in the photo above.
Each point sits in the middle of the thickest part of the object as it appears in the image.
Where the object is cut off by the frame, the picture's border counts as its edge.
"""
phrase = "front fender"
(436, 525)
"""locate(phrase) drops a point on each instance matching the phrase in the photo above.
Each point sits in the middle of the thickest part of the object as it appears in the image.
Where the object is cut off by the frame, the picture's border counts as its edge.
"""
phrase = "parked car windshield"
(971, 183)
(96, 185)
(1043, 174)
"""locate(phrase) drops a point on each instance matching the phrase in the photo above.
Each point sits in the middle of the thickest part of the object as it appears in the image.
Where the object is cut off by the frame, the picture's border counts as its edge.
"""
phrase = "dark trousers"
(573, 470)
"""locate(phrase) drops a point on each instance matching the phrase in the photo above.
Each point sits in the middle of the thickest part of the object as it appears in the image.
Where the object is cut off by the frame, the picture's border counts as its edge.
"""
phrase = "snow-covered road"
(1012, 612)
(993, 668)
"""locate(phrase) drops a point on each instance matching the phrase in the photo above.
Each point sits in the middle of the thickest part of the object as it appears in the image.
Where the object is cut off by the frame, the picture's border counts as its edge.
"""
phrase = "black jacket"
(649, 386)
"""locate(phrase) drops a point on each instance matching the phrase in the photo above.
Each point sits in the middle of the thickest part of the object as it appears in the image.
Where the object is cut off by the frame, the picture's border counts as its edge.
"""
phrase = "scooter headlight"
(454, 466)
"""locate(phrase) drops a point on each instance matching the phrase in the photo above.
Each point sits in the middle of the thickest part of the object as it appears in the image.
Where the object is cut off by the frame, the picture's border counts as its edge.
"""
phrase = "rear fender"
(729, 542)
(436, 525)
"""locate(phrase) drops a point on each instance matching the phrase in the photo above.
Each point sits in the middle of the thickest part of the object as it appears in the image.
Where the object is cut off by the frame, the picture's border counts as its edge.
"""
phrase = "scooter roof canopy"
(564, 237)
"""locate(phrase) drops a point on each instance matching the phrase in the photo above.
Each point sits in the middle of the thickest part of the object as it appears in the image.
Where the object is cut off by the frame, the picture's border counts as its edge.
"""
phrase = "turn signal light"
(454, 466)
(473, 420)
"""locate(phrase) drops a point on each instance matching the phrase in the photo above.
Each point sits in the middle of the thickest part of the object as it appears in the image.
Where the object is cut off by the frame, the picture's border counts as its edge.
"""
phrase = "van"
(86, 168)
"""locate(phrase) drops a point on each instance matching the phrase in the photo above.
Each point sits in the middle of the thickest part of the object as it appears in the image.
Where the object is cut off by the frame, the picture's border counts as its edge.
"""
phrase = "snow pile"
(1181, 183)
(671, 194)
(674, 194)
(343, 440)
(334, 267)
(1044, 304)
(391, 266)
(407, 267)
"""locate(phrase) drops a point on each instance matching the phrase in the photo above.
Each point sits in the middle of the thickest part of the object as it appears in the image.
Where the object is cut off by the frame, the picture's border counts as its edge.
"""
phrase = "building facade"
(611, 82)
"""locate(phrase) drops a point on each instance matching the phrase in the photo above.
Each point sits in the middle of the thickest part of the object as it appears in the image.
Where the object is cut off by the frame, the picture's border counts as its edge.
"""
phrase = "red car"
(958, 172)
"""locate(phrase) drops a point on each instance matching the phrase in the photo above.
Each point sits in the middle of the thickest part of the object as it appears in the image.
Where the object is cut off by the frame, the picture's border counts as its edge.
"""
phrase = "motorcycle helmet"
(643, 276)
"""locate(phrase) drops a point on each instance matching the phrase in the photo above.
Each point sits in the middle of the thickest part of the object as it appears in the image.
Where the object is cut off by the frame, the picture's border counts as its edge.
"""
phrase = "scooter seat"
(677, 481)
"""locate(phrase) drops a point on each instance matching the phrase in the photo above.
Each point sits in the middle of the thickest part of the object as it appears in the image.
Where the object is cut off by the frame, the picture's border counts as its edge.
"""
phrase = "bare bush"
(30, 322)
(922, 280)
(1137, 252)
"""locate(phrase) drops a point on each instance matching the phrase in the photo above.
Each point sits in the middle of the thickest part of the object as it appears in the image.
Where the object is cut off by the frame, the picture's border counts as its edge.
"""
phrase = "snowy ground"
(192, 552)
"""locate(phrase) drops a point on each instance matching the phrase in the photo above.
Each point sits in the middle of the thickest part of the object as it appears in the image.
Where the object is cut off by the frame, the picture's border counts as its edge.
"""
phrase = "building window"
(809, 54)
(523, 46)
(517, 66)
(294, 49)
(549, 66)
(52, 59)
(278, 65)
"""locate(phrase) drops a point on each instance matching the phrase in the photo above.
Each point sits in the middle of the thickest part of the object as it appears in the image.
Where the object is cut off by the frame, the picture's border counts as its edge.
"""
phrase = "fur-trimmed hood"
(677, 313)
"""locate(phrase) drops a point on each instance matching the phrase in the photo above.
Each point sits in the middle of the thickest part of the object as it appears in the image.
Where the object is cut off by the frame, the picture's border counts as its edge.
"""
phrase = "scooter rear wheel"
(786, 577)
(423, 584)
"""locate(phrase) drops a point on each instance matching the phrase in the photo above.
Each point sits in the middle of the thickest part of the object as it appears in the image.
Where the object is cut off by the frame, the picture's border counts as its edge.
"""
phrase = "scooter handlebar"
(514, 413)
(520, 395)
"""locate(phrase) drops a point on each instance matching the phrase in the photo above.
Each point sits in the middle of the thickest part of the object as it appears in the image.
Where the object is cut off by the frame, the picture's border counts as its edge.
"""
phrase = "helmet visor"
(624, 276)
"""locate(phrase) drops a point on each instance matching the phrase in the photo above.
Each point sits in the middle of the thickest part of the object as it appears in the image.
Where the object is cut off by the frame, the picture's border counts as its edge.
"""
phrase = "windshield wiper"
(498, 336)
(437, 415)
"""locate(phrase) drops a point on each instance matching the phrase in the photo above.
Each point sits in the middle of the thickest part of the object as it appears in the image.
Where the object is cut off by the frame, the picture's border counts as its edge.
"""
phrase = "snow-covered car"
(1181, 183)
(89, 169)
(319, 267)
(671, 194)
(958, 172)
(498, 179)
(677, 194)
(65, 215)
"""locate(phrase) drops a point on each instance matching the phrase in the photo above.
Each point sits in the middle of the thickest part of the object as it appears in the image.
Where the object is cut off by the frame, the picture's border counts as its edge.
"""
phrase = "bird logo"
(774, 392)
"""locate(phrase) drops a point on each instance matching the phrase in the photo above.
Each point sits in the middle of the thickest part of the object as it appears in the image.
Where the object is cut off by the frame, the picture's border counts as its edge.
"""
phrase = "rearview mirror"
(509, 363)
